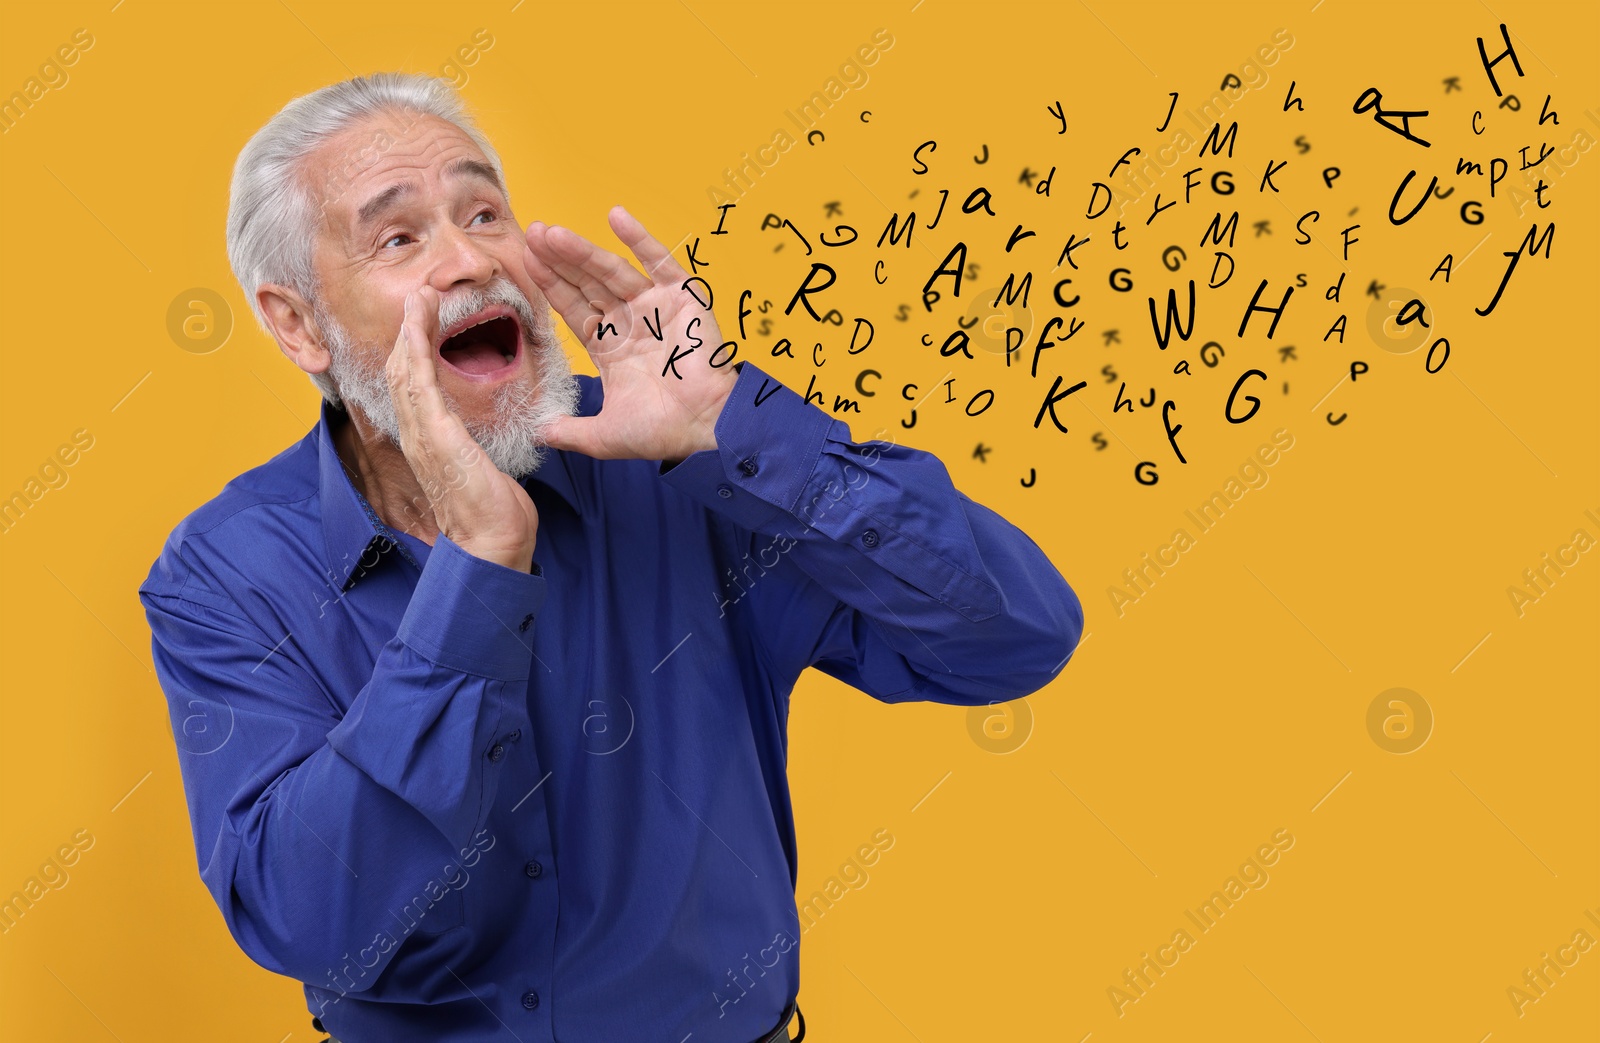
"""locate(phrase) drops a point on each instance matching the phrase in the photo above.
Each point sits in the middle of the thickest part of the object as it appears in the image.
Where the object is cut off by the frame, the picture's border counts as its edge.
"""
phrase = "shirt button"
(496, 752)
(724, 491)
(527, 621)
(870, 538)
(514, 736)
(534, 869)
(747, 466)
(530, 999)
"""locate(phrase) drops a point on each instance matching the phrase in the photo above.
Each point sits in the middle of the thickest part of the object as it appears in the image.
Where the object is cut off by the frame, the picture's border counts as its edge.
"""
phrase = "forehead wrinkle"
(465, 168)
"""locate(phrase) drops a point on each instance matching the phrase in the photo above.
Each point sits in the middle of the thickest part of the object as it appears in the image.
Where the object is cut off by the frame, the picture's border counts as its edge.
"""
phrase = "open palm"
(662, 392)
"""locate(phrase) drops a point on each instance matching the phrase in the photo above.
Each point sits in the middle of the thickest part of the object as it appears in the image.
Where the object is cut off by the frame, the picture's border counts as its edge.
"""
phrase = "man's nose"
(461, 261)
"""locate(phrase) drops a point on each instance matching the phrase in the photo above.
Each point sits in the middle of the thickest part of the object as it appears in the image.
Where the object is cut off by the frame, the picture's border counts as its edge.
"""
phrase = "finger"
(398, 371)
(544, 243)
(569, 301)
(564, 295)
(617, 275)
(656, 259)
(422, 382)
(615, 272)
(577, 434)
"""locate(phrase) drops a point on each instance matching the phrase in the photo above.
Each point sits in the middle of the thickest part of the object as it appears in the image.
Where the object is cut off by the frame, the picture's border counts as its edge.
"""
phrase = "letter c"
(862, 376)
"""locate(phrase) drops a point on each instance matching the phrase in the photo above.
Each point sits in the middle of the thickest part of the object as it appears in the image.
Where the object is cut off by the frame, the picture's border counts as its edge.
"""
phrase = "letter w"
(1164, 330)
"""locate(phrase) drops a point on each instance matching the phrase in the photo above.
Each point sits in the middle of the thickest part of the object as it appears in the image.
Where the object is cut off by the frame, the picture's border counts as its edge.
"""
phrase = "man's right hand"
(479, 507)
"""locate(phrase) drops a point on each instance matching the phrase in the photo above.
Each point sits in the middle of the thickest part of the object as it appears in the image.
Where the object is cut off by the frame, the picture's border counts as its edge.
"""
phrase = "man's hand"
(478, 506)
(656, 407)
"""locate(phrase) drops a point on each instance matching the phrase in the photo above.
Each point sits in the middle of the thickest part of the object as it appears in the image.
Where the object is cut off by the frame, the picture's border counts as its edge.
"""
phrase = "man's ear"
(289, 317)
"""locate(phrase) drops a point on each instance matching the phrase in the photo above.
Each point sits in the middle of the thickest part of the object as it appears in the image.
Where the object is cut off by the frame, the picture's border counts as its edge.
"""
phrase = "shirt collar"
(356, 539)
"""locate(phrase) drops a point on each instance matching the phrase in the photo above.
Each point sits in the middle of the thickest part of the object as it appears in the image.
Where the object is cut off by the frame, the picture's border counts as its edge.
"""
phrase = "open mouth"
(483, 346)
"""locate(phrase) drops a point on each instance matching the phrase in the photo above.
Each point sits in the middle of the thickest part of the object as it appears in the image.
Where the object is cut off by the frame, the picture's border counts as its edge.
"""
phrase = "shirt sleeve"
(311, 828)
(863, 560)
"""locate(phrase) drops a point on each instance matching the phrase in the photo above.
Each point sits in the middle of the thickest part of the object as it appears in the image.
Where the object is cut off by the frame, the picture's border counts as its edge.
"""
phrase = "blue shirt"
(454, 798)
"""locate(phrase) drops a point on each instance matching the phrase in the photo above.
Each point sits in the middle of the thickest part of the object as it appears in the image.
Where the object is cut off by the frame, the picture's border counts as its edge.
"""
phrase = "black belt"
(780, 1034)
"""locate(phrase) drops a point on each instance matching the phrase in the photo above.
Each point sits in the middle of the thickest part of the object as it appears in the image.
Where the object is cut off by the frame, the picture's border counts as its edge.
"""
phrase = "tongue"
(474, 357)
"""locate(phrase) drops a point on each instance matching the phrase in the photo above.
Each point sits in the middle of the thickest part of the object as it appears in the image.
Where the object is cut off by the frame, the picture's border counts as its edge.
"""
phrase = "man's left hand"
(656, 407)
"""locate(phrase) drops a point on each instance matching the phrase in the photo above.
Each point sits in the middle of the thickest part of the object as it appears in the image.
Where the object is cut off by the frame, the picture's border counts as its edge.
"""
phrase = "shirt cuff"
(471, 615)
(769, 441)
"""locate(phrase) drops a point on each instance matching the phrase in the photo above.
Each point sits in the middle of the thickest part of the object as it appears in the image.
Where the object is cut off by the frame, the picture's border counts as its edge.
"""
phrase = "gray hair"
(273, 210)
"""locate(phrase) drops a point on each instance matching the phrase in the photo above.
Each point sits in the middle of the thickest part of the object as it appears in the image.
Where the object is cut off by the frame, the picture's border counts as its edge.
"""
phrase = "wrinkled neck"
(380, 472)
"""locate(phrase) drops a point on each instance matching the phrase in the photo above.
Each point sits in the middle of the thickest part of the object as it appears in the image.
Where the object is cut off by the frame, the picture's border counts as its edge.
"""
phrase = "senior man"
(480, 689)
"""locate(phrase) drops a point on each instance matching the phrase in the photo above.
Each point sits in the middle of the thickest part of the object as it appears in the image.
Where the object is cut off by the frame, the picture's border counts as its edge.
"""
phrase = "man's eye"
(391, 239)
(484, 213)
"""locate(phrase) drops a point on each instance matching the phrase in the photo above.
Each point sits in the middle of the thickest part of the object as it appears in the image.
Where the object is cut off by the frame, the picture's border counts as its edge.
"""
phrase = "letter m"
(845, 405)
(816, 908)
(1011, 295)
(893, 231)
(14, 910)
(15, 108)
(1215, 143)
(1215, 229)
(1471, 168)
(18, 504)
(1531, 246)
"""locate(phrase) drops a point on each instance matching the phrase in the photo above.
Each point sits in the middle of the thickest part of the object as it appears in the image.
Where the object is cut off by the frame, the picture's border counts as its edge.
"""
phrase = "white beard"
(511, 439)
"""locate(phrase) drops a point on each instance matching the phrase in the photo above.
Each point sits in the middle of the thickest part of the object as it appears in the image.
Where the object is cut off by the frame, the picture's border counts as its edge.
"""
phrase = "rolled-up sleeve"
(864, 560)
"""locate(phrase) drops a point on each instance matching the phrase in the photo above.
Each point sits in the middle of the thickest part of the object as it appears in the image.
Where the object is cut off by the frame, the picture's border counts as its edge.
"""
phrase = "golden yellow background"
(1042, 852)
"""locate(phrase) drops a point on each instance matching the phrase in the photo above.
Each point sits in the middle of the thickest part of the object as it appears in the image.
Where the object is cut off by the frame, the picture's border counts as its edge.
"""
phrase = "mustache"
(460, 304)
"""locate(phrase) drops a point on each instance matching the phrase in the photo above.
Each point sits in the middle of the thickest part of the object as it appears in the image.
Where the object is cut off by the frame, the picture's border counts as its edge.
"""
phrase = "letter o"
(1429, 363)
